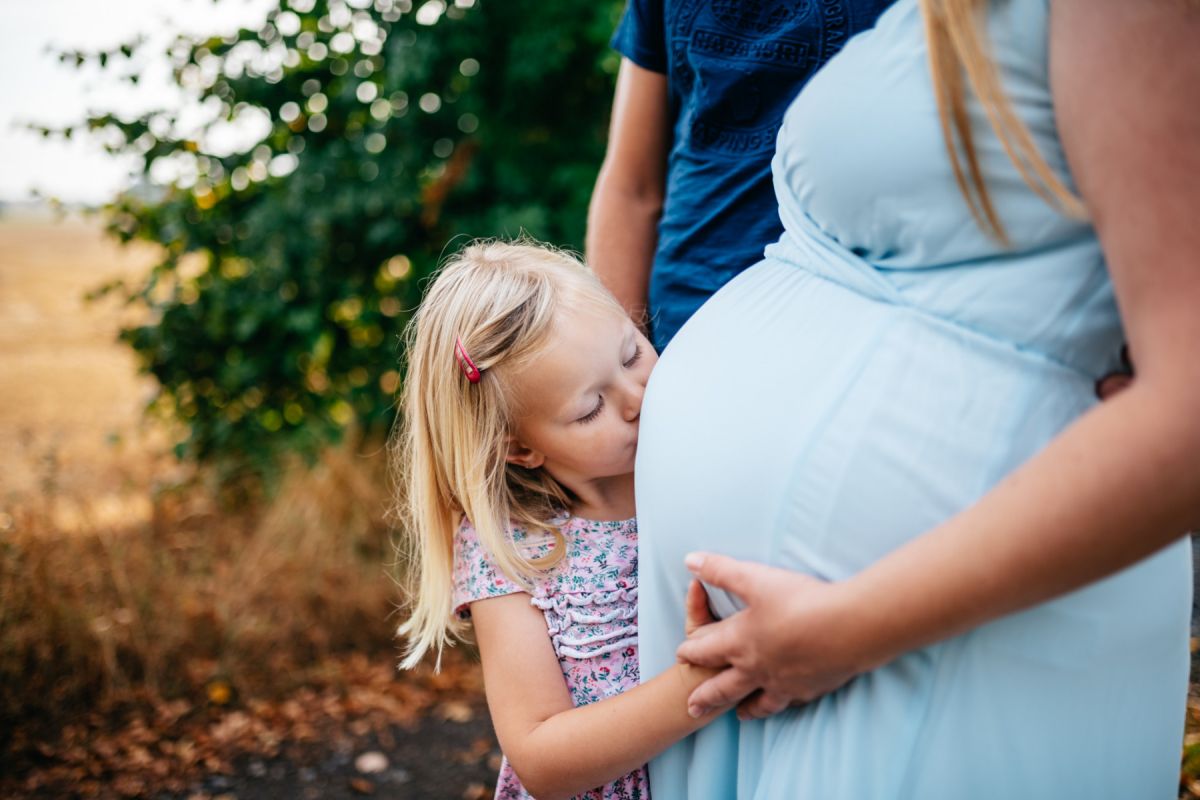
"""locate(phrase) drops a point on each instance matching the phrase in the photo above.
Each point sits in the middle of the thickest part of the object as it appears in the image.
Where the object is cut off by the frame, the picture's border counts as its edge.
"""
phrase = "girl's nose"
(632, 400)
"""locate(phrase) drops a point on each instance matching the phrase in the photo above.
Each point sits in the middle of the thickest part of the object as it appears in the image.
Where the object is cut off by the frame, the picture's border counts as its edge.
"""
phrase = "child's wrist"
(692, 675)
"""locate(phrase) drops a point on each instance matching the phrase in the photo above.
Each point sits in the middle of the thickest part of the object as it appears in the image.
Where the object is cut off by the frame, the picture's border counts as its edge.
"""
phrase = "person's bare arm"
(1114, 487)
(622, 230)
(557, 749)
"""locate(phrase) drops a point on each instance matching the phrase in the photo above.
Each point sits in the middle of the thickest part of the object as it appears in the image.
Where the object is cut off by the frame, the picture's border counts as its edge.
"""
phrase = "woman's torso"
(883, 368)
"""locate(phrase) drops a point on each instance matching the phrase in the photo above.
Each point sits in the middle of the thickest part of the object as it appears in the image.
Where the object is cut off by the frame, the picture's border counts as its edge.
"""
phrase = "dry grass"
(196, 594)
(119, 571)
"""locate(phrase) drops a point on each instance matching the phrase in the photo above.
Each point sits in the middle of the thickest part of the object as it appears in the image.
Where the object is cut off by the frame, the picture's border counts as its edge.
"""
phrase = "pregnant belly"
(797, 423)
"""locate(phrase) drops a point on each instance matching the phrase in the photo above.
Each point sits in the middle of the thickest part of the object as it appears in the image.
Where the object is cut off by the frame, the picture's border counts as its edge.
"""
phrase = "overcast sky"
(34, 87)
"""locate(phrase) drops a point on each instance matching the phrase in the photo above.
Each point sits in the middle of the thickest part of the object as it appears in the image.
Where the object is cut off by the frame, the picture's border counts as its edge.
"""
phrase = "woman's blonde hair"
(957, 42)
(500, 299)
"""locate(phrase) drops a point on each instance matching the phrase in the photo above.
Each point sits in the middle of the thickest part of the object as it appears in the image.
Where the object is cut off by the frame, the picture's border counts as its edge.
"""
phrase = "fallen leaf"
(219, 692)
(478, 750)
(475, 791)
(456, 711)
(371, 762)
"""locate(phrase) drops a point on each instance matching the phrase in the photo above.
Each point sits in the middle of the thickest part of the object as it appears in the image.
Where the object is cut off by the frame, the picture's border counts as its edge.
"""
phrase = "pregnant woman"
(895, 410)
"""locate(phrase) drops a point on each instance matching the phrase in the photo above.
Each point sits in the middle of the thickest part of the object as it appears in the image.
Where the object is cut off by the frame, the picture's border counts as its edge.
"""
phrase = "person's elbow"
(540, 779)
(1170, 398)
(634, 190)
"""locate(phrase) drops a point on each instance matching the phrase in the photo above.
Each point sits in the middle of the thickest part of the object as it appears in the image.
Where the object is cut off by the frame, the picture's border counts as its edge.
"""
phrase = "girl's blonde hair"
(500, 299)
(958, 47)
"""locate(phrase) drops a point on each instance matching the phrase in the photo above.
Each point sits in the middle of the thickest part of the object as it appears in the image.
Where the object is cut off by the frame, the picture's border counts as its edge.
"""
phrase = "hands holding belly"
(793, 641)
(795, 637)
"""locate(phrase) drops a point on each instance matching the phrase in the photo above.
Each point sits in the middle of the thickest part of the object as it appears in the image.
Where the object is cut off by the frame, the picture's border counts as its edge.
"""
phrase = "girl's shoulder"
(477, 573)
(576, 532)
(529, 544)
(597, 555)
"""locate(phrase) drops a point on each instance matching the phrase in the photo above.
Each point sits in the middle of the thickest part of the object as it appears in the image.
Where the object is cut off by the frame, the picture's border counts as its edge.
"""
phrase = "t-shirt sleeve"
(640, 35)
(476, 576)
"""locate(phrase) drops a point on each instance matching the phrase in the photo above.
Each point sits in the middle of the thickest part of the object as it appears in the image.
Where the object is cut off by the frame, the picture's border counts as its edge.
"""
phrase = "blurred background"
(215, 218)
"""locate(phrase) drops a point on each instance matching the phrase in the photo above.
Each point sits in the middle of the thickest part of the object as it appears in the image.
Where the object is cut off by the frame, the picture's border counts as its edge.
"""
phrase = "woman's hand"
(795, 640)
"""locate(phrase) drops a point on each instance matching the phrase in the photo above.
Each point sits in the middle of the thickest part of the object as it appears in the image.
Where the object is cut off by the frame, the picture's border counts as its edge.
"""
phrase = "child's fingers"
(698, 613)
(723, 572)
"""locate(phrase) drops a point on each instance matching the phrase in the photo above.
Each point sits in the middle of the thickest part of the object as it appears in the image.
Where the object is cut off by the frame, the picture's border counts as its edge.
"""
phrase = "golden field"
(71, 426)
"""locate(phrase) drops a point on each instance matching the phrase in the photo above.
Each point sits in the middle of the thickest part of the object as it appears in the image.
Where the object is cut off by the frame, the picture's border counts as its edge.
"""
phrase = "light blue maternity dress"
(882, 368)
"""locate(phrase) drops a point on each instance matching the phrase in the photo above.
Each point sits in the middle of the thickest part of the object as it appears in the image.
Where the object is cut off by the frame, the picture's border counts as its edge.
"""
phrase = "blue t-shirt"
(732, 67)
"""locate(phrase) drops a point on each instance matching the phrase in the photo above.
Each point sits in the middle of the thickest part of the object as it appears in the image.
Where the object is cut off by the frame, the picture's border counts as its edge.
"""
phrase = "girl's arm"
(556, 749)
(1119, 484)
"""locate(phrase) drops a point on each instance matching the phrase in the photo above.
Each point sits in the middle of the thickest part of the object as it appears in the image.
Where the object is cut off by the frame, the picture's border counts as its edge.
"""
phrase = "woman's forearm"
(588, 746)
(1119, 484)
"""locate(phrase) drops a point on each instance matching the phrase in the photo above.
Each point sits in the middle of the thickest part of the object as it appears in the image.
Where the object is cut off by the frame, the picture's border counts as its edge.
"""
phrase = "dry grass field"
(76, 447)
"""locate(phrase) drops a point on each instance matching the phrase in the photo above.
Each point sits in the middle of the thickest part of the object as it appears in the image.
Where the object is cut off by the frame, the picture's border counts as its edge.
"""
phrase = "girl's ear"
(523, 456)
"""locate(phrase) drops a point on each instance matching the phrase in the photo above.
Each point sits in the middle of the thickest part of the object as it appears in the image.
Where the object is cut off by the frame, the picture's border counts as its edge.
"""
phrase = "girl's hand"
(696, 605)
(1115, 382)
(795, 640)
(693, 675)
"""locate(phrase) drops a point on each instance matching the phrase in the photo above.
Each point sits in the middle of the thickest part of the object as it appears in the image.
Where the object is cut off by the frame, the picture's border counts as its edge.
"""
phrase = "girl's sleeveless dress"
(882, 368)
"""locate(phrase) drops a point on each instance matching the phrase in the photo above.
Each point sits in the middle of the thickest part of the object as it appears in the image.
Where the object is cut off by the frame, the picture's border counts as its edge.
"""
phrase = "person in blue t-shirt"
(684, 199)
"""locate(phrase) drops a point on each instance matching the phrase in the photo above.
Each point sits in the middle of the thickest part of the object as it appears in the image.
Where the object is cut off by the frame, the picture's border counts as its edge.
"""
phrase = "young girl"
(521, 411)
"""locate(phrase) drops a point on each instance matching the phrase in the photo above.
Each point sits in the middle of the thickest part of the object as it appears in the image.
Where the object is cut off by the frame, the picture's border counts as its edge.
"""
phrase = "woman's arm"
(622, 230)
(556, 749)
(1119, 484)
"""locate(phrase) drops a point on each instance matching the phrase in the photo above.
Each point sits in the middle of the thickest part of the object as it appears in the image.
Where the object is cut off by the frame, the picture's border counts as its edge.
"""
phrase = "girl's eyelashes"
(595, 412)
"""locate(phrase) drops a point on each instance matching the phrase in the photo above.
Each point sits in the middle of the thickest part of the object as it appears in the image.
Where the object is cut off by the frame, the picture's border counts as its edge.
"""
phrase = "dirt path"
(440, 760)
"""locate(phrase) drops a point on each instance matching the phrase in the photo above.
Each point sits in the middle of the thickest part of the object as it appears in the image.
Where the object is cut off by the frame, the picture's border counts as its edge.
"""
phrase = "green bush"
(394, 132)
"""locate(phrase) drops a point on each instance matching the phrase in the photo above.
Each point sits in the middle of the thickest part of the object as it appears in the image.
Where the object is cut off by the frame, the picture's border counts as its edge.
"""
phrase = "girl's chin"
(621, 474)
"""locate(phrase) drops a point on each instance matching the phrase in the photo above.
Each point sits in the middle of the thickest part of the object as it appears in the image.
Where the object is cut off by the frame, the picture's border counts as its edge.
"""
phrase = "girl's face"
(581, 398)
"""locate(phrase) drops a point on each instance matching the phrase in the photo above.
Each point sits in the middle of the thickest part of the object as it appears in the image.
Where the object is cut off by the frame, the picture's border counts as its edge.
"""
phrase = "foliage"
(389, 131)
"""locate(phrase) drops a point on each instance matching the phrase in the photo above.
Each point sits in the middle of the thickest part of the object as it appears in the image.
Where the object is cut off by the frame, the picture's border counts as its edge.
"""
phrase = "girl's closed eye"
(637, 354)
(595, 412)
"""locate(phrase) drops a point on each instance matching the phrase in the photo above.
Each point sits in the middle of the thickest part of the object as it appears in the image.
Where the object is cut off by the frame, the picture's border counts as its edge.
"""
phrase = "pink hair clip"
(465, 363)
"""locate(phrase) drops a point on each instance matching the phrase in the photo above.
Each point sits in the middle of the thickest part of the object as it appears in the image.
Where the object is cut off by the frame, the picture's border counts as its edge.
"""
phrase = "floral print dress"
(589, 600)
